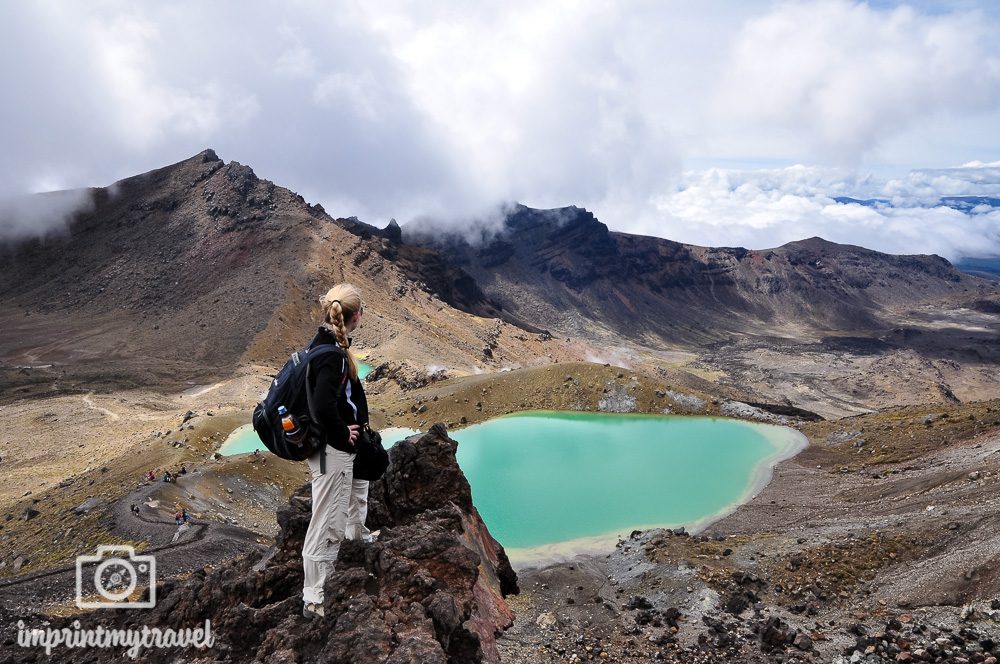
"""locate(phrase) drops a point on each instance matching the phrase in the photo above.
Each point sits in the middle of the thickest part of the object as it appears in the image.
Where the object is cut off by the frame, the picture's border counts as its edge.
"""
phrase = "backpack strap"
(323, 348)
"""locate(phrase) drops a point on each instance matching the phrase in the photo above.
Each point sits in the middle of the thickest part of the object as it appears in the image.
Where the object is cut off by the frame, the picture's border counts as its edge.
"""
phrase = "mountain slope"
(184, 273)
(572, 273)
(187, 273)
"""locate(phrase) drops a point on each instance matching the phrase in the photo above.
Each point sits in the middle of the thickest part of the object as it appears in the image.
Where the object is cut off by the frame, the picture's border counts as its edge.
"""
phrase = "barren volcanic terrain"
(143, 334)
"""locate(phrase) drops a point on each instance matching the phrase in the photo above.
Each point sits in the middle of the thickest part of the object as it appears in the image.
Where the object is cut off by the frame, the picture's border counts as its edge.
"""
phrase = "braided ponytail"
(340, 302)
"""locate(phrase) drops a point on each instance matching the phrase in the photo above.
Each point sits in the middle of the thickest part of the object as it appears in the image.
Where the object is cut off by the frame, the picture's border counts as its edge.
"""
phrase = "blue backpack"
(290, 388)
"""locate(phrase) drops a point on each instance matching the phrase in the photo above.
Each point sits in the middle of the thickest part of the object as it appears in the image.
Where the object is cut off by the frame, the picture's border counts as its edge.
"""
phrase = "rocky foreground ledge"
(430, 589)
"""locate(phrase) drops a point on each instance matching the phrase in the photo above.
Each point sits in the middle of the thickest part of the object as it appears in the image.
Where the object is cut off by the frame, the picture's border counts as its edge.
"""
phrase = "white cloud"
(31, 215)
(445, 110)
(842, 75)
(297, 60)
(769, 207)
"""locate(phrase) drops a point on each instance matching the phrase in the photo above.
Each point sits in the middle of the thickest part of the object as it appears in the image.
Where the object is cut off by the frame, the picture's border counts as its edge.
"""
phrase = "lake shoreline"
(685, 448)
(538, 557)
(811, 523)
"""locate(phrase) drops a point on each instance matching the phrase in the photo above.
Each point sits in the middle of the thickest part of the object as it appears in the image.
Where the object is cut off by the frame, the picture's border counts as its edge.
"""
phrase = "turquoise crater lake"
(545, 480)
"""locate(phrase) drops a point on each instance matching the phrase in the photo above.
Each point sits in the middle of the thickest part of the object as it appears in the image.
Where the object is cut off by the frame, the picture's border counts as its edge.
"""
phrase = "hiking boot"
(311, 610)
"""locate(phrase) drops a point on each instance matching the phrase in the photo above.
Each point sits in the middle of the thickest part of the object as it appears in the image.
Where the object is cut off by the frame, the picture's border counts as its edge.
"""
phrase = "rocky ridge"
(191, 272)
(575, 274)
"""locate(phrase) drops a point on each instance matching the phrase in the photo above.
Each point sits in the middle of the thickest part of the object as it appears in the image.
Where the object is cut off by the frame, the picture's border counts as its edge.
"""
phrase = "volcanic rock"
(431, 588)
(565, 269)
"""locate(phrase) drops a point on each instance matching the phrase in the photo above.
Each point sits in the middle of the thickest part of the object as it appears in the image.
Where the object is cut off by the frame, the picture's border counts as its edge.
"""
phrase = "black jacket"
(335, 414)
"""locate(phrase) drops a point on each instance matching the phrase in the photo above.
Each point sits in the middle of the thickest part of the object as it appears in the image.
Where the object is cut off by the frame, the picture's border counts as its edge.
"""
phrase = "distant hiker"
(339, 502)
(166, 476)
(184, 470)
(178, 518)
(151, 476)
(184, 516)
(135, 509)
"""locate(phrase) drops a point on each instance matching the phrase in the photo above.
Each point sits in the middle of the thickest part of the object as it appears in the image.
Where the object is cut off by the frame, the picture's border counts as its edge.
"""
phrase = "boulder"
(547, 620)
(802, 641)
(87, 505)
(638, 602)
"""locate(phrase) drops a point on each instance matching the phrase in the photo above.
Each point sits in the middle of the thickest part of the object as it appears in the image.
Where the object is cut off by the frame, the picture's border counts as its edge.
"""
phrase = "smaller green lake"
(541, 479)
(244, 440)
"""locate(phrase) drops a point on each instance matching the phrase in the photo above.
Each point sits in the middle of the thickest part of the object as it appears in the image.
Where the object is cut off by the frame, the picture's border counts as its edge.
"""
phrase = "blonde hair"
(339, 304)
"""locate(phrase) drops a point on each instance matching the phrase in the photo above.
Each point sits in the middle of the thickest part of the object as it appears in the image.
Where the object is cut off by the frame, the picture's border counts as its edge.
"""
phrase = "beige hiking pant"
(339, 510)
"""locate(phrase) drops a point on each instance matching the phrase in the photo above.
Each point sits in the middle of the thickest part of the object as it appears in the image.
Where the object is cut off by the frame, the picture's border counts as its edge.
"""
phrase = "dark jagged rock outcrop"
(422, 474)
(431, 588)
(393, 232)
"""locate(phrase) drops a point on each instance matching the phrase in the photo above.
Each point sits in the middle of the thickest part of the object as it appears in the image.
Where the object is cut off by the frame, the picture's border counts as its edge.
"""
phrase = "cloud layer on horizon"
(443, 110)
(769, 207)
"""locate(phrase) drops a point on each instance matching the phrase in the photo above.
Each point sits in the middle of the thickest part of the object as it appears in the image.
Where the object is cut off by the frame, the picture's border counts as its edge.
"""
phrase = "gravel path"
(201, 544)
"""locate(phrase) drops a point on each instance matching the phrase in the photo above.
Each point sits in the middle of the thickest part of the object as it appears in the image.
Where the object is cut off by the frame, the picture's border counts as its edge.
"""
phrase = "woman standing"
(339, 502)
